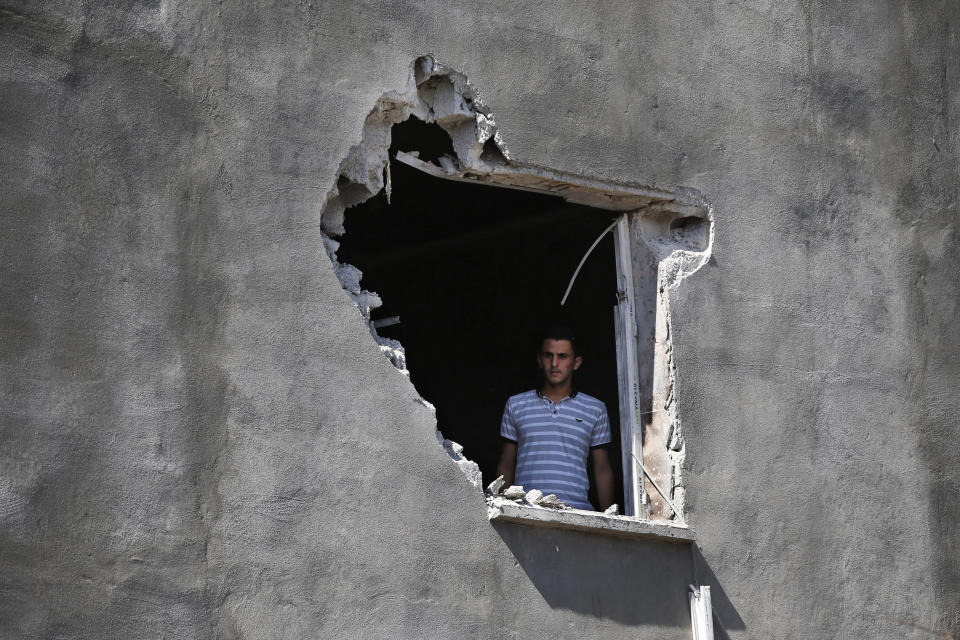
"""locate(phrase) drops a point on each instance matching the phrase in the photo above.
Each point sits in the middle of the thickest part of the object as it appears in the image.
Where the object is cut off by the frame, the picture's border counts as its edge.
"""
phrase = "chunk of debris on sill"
(612, 510)
(551, 501)
(533, 496)
(518, 495)
(513, 492)
(494, 487)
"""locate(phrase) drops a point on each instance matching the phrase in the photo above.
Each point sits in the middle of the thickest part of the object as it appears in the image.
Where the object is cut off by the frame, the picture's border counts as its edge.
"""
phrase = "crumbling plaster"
(199, 439)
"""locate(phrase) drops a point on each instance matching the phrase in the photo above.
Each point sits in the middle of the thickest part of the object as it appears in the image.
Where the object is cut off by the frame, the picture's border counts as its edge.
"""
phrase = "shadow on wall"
(724, 612)
(632, 582)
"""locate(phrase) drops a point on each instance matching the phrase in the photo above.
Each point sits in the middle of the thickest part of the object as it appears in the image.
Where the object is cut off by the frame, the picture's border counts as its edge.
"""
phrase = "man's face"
(557, 361)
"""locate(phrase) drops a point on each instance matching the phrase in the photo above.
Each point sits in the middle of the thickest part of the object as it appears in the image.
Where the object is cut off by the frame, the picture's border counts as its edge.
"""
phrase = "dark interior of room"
(474, 272)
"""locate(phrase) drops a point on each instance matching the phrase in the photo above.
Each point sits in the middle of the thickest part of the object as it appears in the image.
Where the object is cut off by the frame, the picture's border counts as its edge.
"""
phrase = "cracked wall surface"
(200, 439)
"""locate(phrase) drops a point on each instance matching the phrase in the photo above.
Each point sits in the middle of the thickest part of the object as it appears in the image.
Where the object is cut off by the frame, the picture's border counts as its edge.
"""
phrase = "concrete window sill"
(503, 510)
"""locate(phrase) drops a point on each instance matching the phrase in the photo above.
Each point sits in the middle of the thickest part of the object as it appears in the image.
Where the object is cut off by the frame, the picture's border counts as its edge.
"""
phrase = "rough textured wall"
(200, 438)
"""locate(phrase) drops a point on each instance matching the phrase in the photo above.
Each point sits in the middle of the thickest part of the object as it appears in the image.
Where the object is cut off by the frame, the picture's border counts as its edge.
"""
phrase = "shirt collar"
(573, 394)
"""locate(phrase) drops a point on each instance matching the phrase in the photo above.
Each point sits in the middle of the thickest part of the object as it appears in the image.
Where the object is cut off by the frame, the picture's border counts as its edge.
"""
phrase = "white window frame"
(628, 372)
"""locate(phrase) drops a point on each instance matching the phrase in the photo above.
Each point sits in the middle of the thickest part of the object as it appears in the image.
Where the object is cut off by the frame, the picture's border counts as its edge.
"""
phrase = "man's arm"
(508, 462)
(602, 477)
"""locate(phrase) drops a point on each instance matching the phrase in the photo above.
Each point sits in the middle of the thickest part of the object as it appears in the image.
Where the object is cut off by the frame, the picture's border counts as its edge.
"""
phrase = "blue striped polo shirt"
(553, 441)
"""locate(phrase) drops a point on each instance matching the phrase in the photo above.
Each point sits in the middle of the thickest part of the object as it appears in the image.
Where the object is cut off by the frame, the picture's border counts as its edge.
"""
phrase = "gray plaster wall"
(199, 438)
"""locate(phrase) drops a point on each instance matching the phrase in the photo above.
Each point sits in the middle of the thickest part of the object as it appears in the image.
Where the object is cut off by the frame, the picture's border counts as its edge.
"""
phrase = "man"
(549, 432)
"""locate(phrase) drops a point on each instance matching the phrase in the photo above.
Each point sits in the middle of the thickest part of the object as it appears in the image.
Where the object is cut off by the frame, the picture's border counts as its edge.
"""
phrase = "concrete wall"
(201, 439)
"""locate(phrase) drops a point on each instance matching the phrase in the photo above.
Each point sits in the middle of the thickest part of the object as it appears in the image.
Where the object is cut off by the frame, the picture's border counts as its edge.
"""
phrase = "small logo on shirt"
(578, 419)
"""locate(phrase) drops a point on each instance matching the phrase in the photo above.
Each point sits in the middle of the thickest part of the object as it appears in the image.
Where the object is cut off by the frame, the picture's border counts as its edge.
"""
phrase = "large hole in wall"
(472, 273)
(466, 252)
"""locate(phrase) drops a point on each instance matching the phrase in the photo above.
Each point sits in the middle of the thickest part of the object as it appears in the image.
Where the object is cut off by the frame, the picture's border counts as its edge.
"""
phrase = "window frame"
(629, 202)
(628, 371)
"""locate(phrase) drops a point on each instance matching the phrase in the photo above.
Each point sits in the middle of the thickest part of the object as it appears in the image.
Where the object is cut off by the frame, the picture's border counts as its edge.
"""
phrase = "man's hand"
(508, 463)
(602, 476)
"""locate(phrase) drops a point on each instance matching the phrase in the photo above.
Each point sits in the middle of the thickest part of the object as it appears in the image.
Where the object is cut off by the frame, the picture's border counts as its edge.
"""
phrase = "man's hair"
(558, 331)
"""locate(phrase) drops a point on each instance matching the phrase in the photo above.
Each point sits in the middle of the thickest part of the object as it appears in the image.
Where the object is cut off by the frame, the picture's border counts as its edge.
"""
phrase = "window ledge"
(503, 510)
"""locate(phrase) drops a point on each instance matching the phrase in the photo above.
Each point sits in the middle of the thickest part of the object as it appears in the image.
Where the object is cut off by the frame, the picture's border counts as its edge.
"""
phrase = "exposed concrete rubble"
(494, 487)
(550, 500)
(514, 492)
(455, 450)
(674, 240)
(533, 496)
(468, 467)
(517, 494)
(366, 301)
(434, 94)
